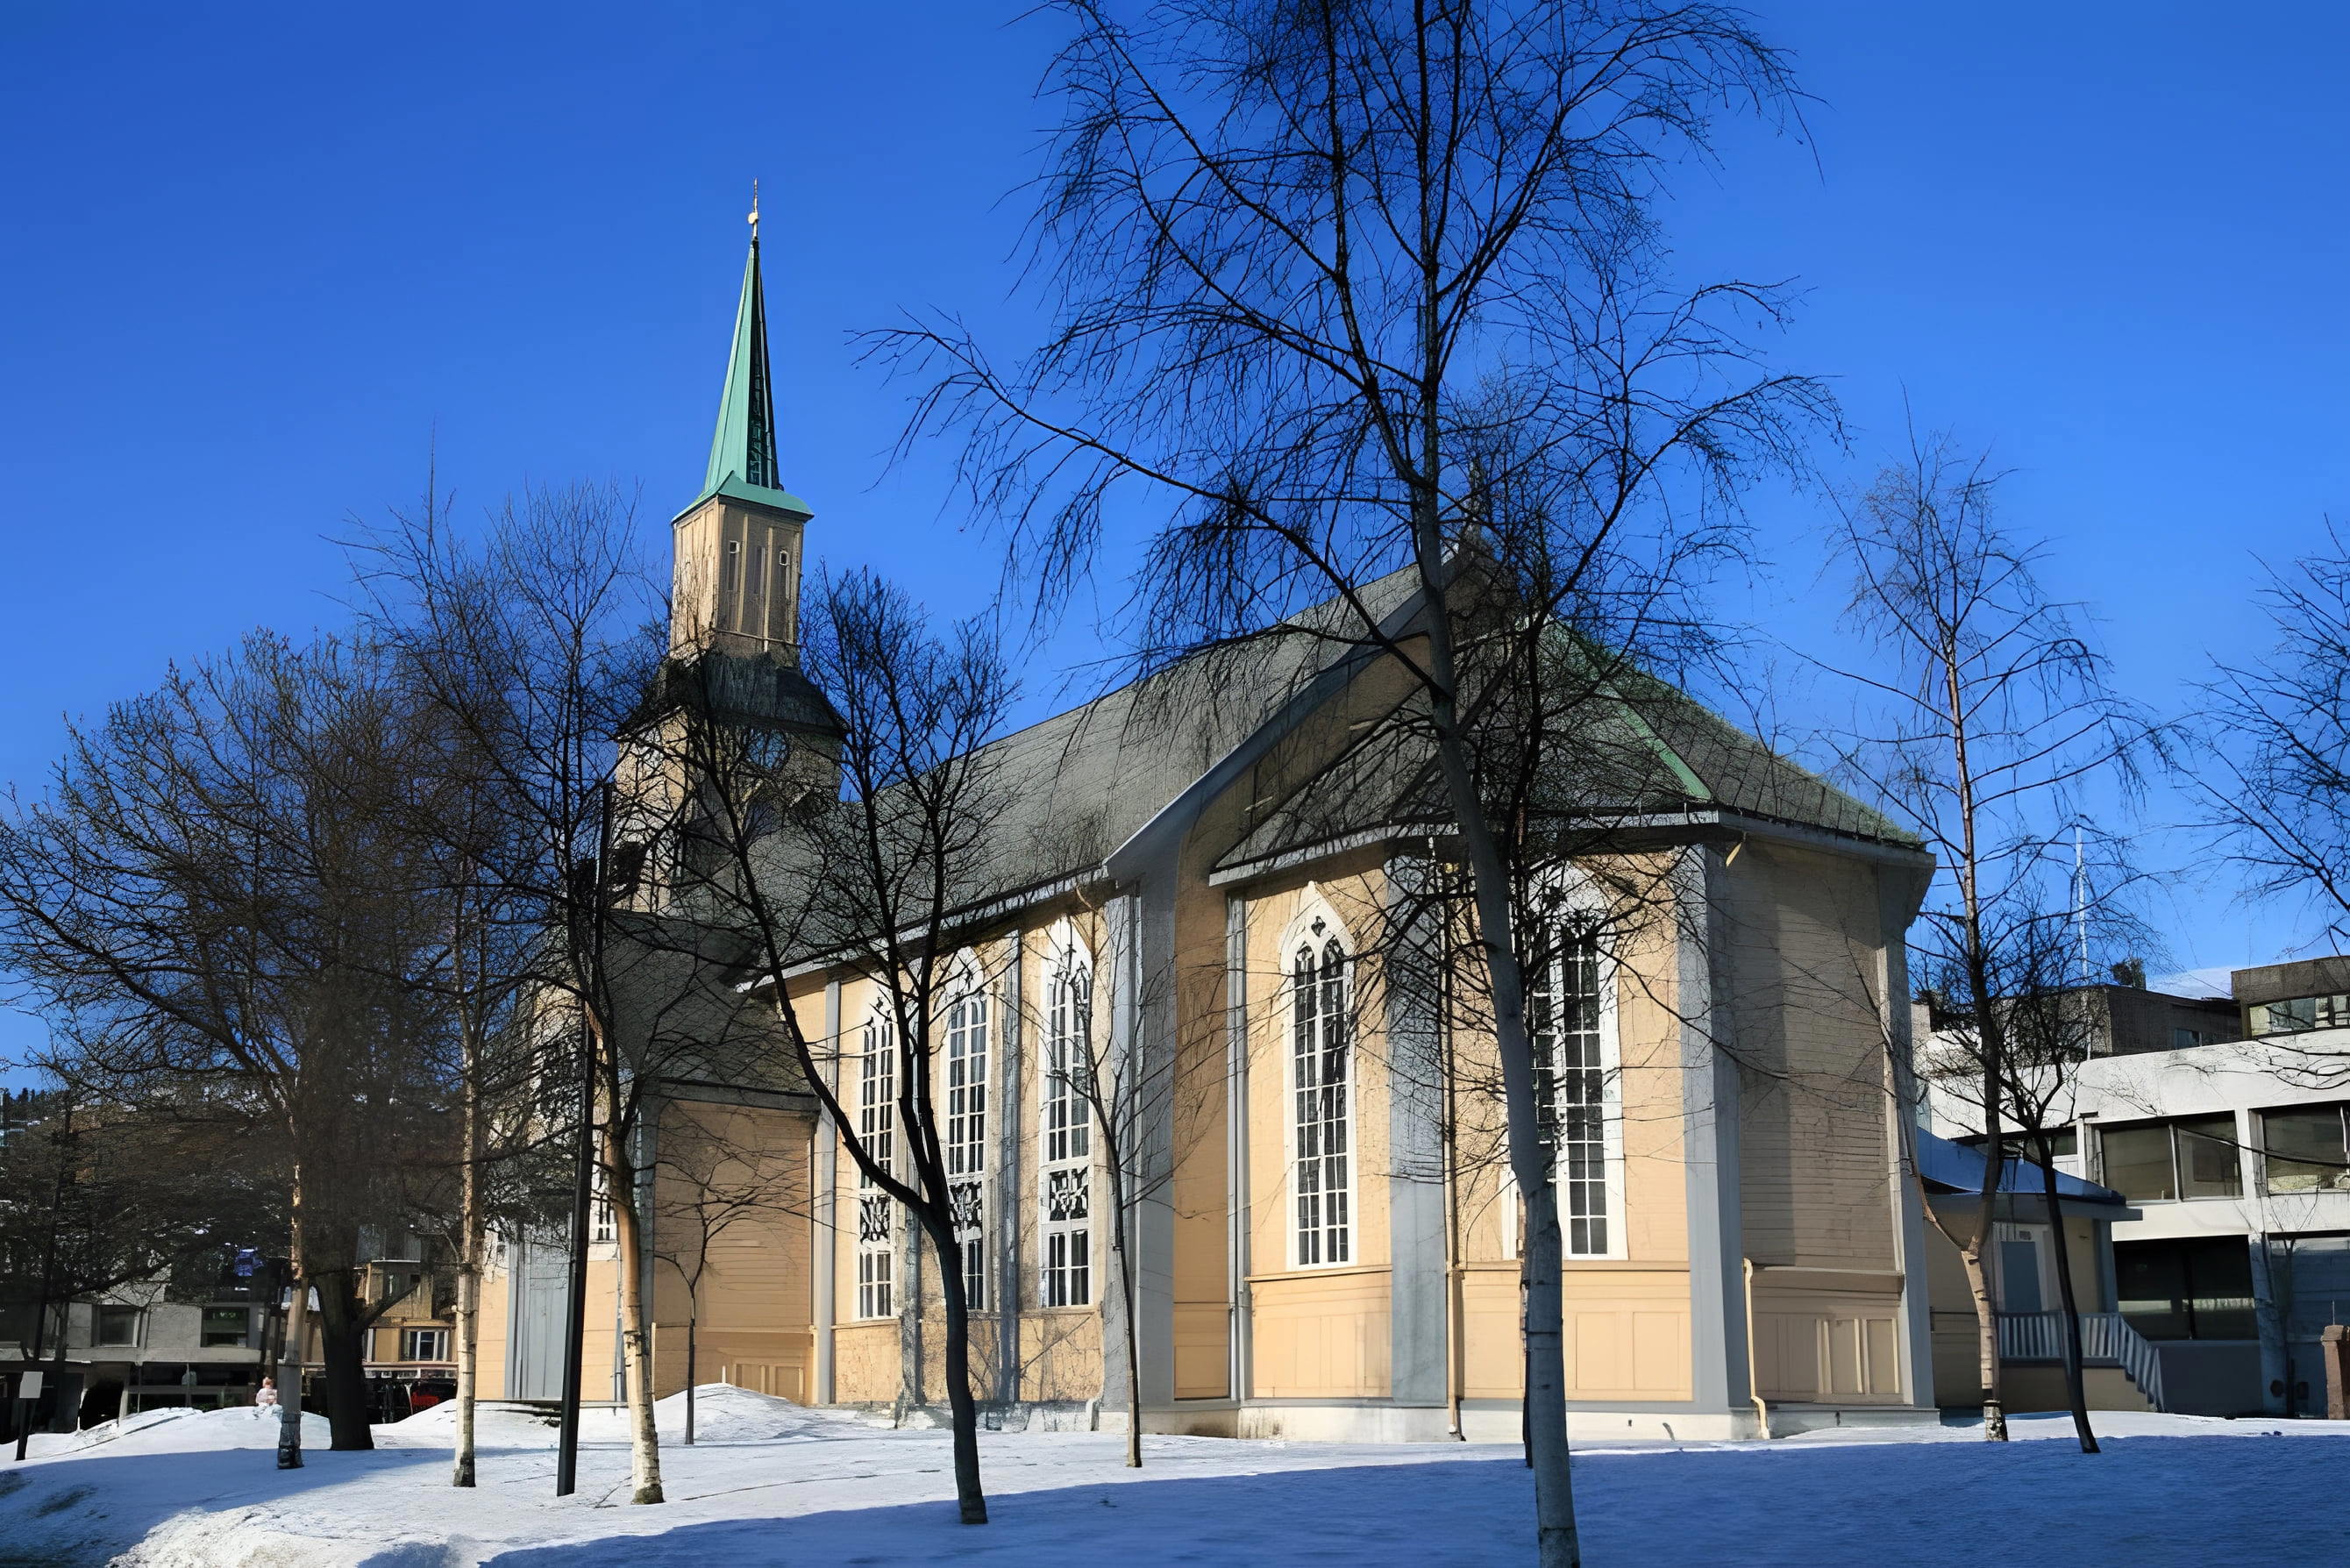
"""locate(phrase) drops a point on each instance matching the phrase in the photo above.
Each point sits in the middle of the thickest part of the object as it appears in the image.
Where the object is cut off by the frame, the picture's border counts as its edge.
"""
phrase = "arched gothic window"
(1065, 1174)
(1321, 1078)
(970, 1019)
(877, 1130)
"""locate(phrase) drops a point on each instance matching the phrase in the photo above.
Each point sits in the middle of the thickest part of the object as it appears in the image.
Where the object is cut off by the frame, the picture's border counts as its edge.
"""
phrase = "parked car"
(427, 1392)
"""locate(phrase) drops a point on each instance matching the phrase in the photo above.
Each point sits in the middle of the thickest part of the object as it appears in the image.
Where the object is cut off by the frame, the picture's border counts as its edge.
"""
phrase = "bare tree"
(855, 830)
(210, 894)
(534, 642)
(1995, 727)
(173, 1192)
(1310, 263)
(2275, 780)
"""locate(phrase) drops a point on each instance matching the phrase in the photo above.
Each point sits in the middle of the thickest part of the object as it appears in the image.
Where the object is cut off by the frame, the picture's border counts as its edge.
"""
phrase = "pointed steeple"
(743, 451)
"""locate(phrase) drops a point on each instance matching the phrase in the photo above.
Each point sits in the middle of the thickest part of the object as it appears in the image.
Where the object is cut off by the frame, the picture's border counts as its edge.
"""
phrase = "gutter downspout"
(1447, 1141)
(1753, 1388)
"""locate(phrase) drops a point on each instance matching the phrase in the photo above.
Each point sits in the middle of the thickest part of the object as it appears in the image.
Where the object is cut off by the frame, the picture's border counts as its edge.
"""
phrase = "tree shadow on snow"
(2144, 1504)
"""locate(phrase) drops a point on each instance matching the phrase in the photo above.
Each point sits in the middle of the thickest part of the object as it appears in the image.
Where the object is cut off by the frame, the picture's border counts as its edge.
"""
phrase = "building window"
(730, 576)
(2302, 1014)
(1069, 1237)
(119, 1325)
(779, 602)
(2306, 1150)
(424, 1344)
(601, 1226)
(2193, 1288)
(2156, 1162)
(1322, 1093)
(230, 1325)
(876, 1131)
(1577, 1088)
(1065, 1177)
(967, 1042)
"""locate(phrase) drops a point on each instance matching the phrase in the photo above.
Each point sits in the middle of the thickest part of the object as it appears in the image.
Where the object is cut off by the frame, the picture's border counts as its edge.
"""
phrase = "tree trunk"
(470, 1248)
(1986, 1331)
(636, 1338)
(342, 1345)
(2073, 1389)
(693, 1321)
(1557, 1545)
(963, 1410)
(1128, 1324)
(296, 1334)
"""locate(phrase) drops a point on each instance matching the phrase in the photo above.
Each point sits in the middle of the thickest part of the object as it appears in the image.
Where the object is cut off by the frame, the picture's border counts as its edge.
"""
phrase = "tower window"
(779, 603)
(730, 579)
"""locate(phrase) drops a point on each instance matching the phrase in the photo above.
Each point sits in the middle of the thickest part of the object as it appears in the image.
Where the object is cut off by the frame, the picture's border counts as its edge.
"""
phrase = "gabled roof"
(1635, 747)
(1079, 785)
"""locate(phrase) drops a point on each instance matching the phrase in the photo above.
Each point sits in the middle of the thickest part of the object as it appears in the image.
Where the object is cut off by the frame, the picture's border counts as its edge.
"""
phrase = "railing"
(2106, 1339)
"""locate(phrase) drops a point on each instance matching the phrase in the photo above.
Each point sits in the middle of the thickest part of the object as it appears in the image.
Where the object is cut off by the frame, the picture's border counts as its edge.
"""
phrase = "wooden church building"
(1324, 1243)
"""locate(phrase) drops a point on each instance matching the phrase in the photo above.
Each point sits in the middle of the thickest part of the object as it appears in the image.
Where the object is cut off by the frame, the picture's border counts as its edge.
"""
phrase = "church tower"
(731, 695)
(735, 585)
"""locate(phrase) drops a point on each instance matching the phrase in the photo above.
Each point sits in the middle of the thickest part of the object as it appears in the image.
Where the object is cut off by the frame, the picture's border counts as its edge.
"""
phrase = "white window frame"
(1065, 1129)
(968, 1028)
(411, 1338)
(1577, 900)
(1315, 926)
(877, 1130)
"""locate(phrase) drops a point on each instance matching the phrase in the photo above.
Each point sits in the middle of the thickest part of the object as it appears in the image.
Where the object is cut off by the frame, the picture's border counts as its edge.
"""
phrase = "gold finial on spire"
(754, 210)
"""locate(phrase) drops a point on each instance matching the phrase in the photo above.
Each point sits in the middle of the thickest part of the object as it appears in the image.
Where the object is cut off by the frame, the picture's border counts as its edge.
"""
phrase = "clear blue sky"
(254, 256)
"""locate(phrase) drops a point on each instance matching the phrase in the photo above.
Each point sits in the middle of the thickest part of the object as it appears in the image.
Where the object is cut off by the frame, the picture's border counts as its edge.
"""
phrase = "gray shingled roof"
(1637, 747)
(1074, 787)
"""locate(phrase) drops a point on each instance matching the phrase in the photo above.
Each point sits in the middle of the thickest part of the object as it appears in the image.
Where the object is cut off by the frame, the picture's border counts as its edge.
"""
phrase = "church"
(1327, 1246)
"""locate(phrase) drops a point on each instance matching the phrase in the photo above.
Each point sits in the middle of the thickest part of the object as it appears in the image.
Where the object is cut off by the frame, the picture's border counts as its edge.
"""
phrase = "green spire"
(743, 451)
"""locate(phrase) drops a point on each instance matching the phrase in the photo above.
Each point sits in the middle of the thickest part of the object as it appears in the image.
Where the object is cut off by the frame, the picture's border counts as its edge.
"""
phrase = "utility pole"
(583, 1178)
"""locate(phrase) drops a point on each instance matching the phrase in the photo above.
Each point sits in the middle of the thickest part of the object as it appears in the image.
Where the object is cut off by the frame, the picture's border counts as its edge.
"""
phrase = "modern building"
(2234, 1155)
(1323, 1236)
(2228, 1143)
(138, 1349)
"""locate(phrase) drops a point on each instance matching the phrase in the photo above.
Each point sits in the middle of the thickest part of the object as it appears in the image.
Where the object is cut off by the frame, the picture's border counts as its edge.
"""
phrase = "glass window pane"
(2220, 1288)
(2305, 1149)
(2150, 1280)
(2207, 1163)
(2137, 1161)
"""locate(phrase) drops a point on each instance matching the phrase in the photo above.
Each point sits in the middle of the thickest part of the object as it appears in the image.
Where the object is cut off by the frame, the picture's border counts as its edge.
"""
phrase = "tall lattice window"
(1575, 1084)
(1321, 1088)
(1065, 1176)
(877, 1129)
(967, 1043)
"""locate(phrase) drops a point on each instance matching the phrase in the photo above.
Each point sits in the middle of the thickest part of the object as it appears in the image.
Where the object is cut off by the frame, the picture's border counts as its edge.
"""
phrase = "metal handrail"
(2106, 1338)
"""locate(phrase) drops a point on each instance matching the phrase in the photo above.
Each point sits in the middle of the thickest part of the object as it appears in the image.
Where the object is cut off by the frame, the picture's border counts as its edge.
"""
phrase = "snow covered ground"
(772, 1484)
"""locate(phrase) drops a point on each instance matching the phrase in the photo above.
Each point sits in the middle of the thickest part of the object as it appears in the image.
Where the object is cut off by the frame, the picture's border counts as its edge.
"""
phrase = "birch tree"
(1308, 262)
(1989, 729)
(535, 640)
